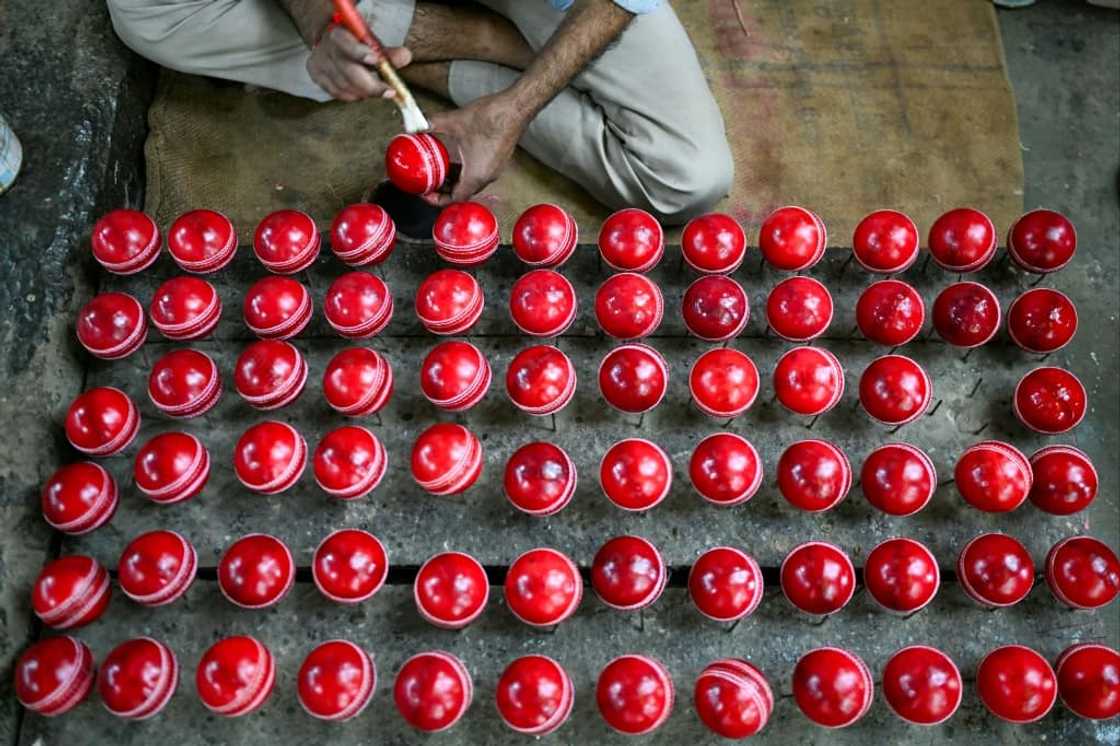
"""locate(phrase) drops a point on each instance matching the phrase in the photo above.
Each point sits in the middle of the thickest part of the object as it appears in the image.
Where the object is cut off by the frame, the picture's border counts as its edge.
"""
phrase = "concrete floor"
(1063, 61)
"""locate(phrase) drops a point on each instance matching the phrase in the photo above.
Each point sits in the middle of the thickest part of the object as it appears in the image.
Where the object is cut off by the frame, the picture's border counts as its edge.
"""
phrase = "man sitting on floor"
(607, 92)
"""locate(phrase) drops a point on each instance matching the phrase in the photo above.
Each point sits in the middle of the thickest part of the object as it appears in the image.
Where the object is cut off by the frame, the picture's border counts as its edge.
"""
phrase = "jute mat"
(844, 106)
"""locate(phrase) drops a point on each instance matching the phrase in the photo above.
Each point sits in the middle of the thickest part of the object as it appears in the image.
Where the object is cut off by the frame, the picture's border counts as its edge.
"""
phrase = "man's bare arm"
(309, 16)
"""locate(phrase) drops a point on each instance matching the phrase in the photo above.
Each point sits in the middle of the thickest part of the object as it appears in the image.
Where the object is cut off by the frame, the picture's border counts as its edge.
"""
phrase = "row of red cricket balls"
(534, 695)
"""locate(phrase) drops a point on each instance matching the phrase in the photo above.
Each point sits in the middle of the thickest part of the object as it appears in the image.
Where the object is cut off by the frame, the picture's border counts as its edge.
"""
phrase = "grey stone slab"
(388, 626)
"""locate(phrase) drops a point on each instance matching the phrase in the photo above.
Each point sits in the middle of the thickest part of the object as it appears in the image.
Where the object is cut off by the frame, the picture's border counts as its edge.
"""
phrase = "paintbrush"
(348, 16)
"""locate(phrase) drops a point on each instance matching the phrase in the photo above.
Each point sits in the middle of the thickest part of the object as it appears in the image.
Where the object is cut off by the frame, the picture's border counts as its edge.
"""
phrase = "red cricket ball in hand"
(832, 687)
(1088, 680)
(1065, 480)
(966, 314)
(349, 462)
(733, 698)
(922, 685)
(814, 475)
(1041, 320)
(725, 584)
(466, 233)
(157, 567)
(270, 457)
(628, 573)
(449, 301)
(898, 479)
(901, 575)
(631, 240)
(713, 243)
(993, 476)
(202, 241)
(634, 694)
(336, 681)
(455, 376)
(540, 479)
(725, 469)
(818, 578)
(185, 308)
(792, 239)
(1050, 400)
(890, 313)
(358, 382)
(363, 234)
(171, 467)
(808, 380)
(102, 421)
(433, 691)
(715, 308)
(541, 380)
(79, 498)
(451, 590)
(542, 303)
(277, 308)
(799, 309)
(417, 163)
(71, 592)
(995, 570)
(54, 675)
(962, 240)
(629, 306)
(112, 326)
(1016, 684)
(358, 305)
(545, 236)
(1042, 241)
(1083, 573)
(895, 390)
(633, 378)
(535, 695)
(138, 678)
(256, 571)
(635, 474)
(125, 241)
(446, 459)
(287, 241)
(270, 374)
(235, 676)
(543, 587)
(349, 566)
(886, 241)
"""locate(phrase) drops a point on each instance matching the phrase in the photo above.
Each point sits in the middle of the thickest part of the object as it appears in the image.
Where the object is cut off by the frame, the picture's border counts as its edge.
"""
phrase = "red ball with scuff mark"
(725, 469)
(112, 326)
(792, 239)
(725, 584)
(336, 681)
(433, 691)
(631, 240)
(713, 243)
(270, 374)
(235, 676)
(962, 240)
(451, 590)
(628, 573)
(1065, 480)
(635, 474)
(634, 694)
(629, 306)
(818, 578)
(1016, 684)
(995, 570)
(799, 309)
(808, 380)
(723, 382)
(256, 571)
(832, 687)
(540, 479)
(1050, 400)
(715, 308)
(349, 566)
(1042, 320)
(543, 587)
(1083, 573)
(993, 476)
(922, 685)
(1089, 680)
(890, 313)
(541, 380)
(814, 475)
(542, 303)
(966, 314)
(901, 575)
(1042, 241)
(885, 241)
(898, 479)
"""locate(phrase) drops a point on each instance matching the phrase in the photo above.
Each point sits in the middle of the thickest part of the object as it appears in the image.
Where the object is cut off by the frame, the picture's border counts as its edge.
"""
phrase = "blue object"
(634, 6)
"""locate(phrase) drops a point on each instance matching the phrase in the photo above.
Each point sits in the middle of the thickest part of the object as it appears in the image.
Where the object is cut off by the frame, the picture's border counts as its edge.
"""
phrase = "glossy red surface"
(455, 375)
(349, 462)
(336, 681)
(101, 421)
(631, 240)
(269, 457)
(235, 676)
(818, 578)
(276, 308)
(1042, 241)
(898, 479)
(628, 573)
(358, 305)
(270, 374)
(54, 675)
(138, 678)
(542, 303)
(451, 590)
(993, 476)
(541, 380)
(350, 565)
(799, 309)
(633, 378)
(808, 380)
(732, 698)
(540, 479)
(634, 694)
(184, 383)
(629, 306)
(71, 591)
(962, 240)
(534, 695)
(901, 575)
(112, 326)
(363, 234)
(723, 382)
(449, 301)
(417, 163)
(885, 241)
(890, 313)
(715, 308)
(832, 687)
(185, 308)
(79, 498)
(814, 475)
(1041, 320)
(358, 381)
(543, 587)
(256, 571)
(922, 685)
(1089, 680)
(1016, 684)
(635, 474)
(466, 233)
(725, 584)
(157, 567)
(171, 467)
(125, 241)
(894, 390)
(966, 314)
(286, 241)
(1050, 400)
(545, 236)
(792, 239)
(446, 459)
(725, 469)
(1083, 572)
(202, 241)
(995, 570)
(433, 691)
(1065, 480)
(714, 242)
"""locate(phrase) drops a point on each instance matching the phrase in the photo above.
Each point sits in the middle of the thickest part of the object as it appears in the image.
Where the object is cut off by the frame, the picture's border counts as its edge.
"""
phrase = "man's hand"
(486, 132)
(342, 66)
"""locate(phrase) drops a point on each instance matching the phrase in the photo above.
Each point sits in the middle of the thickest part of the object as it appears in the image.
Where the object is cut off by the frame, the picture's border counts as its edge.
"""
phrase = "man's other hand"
(343, 66)
(486, 132)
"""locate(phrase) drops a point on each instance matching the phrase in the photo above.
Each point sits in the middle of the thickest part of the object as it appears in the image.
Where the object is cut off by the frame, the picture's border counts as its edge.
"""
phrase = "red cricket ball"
(363, 234)
(138, 678)
(256, 571)
(799, 309)
(808, 380)
(1050, 400)
(540, 479)
(125, 241)
(446, 459)
(270, 374)
(1083, 573)
(70, 592)
(1041, 320)
(451, 590)
(886, 241)
(349, 566)
(202, 241)
(792, 238)
(1042, 241)
(54, 675)
(714, 243)
(449, 301)
(79, 498)
(349, 462)
(922, 685)
(631, 240)
(634, 694)
(235, 676)
(171, 467)
(185, 308)
(102, 421)
(185, 383)
(628, 573)
(157, 567)
(993, 476)
(890, 313)
(966, 314)
(466, 233)
(541, 380)
(723, 382)
(358, 305)
(542, 303)
(269, 457)
(635, 474)
(433, 691)
(725, 469)
(895, 390)
(545, 236)
(543, 587)
(1089, 680)
(962, 240)
(417, 163)
(832, 687)
(715, 308)
(898, 479)
(358, 382)
(814, 475)
(286, 241)
(112, 326)
(633, 378)
(733, 698)
(276, 308)
(725, 584)
(1065, 480)
(818, 578)
(535, 695)
(1016, 684)
(629, 306)
(336, 681)
(455, 376)
(995, 570)
(901, 575)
